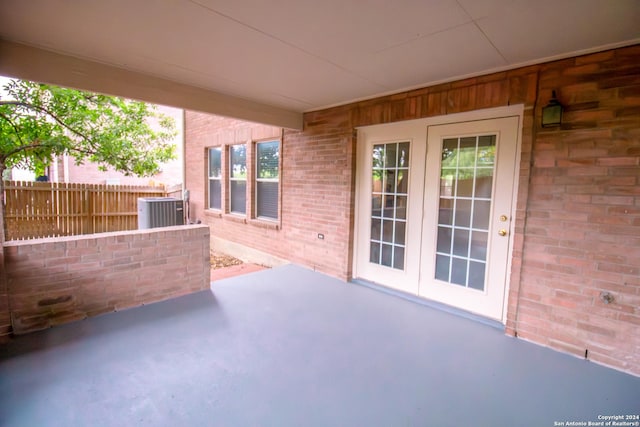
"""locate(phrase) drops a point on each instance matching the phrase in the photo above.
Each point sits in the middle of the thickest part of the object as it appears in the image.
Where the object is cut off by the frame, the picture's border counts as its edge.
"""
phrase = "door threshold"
(430, 303)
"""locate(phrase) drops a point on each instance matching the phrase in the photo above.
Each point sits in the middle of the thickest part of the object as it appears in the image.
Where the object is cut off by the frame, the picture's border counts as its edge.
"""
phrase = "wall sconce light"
(552, 112)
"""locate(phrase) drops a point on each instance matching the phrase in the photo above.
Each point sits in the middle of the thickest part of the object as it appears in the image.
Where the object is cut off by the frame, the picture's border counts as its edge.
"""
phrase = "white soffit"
(303, 55)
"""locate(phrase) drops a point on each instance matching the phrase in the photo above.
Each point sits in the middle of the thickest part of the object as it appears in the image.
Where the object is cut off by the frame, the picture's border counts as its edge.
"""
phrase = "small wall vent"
(160, 212)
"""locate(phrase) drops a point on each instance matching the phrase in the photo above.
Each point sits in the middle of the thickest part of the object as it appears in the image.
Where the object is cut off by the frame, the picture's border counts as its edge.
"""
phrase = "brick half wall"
(55, 281)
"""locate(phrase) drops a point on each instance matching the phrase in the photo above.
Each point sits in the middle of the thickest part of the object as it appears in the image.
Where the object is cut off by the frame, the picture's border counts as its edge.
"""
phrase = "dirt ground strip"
(224, 266)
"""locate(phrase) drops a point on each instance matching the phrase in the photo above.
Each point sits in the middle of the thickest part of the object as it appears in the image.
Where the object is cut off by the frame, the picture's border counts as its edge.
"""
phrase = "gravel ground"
(220, 260)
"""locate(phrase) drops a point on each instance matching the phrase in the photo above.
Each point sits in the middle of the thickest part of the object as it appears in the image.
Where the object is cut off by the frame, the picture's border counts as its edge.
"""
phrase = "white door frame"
(416, 132)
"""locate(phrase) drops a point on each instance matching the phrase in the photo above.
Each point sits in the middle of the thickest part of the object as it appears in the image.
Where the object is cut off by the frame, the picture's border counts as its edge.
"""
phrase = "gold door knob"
(502, 232)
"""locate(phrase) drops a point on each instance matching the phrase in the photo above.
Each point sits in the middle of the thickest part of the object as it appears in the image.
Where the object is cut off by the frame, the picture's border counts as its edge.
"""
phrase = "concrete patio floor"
(291, 347)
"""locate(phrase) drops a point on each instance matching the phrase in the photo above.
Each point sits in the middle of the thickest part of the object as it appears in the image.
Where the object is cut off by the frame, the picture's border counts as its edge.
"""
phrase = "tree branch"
(15, 128)
(47, 112)
(44, 145)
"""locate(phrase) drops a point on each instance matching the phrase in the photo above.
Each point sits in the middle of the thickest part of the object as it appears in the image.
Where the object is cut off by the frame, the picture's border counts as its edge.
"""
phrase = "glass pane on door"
(389, 179)
(466, 182)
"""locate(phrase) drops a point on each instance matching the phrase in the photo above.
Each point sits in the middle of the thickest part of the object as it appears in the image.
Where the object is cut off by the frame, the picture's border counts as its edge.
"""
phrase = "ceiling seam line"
(482, 32)
(425, 36)
(328, 61)
(490, 42)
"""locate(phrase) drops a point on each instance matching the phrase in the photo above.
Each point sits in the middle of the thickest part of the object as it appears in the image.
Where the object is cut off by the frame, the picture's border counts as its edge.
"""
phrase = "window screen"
(215, 176)
(238, 178)
(267, 179)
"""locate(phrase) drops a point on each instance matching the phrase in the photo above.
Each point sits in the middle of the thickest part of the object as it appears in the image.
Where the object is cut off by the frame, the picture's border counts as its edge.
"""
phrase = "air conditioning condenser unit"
(159, 212)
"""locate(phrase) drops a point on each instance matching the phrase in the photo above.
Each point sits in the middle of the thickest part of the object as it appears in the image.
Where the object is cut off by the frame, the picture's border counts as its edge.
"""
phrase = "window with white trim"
(238, 178)
(267, 179)
(215, 178)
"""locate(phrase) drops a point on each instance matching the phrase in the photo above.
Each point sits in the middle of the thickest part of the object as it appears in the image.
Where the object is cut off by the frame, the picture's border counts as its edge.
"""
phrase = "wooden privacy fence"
(51, 209)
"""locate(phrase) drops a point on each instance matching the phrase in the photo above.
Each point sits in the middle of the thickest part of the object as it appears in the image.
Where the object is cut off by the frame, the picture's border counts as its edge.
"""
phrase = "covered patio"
(290, 346)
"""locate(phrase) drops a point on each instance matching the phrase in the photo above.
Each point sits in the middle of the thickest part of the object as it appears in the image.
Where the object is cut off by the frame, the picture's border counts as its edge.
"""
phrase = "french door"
(434, 210)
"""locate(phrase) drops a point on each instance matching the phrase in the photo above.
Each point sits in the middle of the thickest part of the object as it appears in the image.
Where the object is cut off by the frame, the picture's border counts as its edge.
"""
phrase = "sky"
(3, 81)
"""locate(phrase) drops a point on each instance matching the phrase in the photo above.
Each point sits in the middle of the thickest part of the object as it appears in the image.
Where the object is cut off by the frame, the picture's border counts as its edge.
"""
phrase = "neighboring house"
(67, 170)
(454, 193)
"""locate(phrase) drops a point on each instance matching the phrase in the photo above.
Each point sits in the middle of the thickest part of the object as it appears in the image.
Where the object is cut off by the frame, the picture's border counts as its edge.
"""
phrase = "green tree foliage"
(238, 155)
(268, 160)
(40, 121)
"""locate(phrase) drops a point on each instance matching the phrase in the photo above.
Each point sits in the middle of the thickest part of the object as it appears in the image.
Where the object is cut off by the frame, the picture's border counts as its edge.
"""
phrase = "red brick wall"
(315, 196)
(5, 317)
(577, 211)
(54, 281)
(582, 235)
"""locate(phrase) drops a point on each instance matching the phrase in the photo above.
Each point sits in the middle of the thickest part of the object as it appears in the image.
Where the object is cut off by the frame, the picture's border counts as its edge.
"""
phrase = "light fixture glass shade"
(552, 112)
